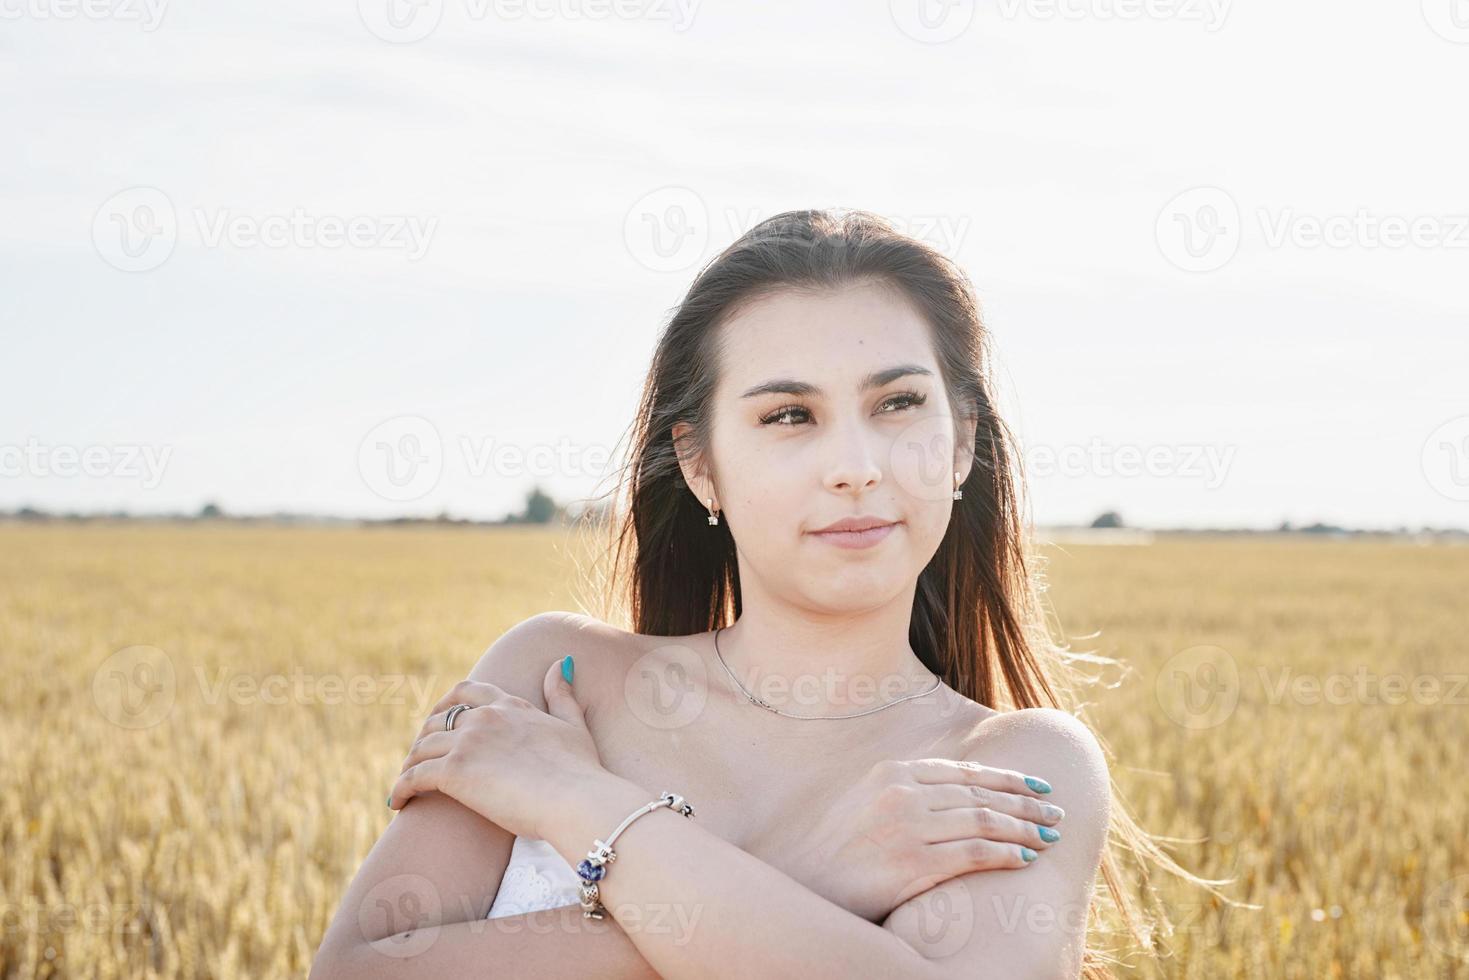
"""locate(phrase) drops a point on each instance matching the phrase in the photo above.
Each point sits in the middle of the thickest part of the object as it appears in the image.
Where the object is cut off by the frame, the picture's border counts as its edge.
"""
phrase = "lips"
(867, 534)
(854, 524)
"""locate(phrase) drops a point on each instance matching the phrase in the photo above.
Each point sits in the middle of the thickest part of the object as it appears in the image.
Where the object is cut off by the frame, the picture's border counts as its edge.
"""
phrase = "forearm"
(551, 944)
(697, 906)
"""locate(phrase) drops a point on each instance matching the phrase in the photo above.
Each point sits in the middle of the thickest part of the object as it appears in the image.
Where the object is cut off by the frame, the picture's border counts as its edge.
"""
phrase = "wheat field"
(200, 722)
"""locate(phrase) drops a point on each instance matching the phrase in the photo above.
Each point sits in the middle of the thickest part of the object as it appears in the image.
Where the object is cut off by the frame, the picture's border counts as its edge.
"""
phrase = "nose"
(855, 466)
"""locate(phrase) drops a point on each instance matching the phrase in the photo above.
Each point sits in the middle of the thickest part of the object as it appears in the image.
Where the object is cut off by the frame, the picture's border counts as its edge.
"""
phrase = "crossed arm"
(685, 903)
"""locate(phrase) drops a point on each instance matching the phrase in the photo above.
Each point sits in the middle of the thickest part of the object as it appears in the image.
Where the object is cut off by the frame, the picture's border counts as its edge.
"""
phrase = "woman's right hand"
(906, 826)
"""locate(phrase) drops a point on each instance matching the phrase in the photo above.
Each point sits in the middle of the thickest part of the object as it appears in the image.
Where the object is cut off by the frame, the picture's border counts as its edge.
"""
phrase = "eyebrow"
(789, 386)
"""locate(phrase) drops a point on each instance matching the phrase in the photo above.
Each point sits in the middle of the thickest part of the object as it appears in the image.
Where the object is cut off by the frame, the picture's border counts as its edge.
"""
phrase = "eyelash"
(912, 398)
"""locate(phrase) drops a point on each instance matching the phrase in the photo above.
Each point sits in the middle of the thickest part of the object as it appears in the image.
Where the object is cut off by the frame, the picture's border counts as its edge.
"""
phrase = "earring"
(958, 494)
(713, 517)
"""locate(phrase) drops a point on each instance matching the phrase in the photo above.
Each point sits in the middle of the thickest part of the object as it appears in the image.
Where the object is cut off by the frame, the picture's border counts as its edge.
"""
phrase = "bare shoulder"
(519, 660)
(1059, 748)
(1050, 897)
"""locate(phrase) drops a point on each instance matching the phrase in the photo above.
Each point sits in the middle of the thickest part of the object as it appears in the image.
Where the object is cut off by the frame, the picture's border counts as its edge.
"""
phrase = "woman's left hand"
(506, 759)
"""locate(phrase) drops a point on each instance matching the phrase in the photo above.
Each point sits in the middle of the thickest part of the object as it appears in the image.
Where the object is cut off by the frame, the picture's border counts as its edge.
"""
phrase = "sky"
(382, 257)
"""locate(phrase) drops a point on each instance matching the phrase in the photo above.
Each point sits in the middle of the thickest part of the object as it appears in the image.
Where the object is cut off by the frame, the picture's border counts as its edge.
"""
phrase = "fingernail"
(390, 802)
(1048, 835)
(1039, 785)
(1052, 811)
(1027, 853)
(568, 667)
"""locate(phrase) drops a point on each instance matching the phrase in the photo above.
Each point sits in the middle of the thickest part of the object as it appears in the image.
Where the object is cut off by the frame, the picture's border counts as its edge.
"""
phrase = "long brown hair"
(978, 621)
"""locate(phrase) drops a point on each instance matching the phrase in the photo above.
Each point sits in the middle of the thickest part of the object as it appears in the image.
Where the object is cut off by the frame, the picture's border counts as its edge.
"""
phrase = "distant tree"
(539, 508)
(209, 511)
(1109, 519)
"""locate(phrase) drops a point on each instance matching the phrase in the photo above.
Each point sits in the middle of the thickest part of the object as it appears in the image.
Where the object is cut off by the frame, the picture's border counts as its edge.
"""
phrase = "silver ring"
(452, 714)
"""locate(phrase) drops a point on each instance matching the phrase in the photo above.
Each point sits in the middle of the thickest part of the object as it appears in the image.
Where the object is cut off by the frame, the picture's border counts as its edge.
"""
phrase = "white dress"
(537, 877)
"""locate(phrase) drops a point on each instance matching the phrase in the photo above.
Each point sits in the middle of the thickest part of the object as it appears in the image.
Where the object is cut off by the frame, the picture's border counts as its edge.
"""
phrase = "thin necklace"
(770, 707)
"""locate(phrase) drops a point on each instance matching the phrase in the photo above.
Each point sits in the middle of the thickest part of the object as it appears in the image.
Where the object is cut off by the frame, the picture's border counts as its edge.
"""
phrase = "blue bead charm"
(590, 871)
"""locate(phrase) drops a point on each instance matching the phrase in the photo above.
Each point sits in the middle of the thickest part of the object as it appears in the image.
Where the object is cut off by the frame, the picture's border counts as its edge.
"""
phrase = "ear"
(693, 474)
(964, 433)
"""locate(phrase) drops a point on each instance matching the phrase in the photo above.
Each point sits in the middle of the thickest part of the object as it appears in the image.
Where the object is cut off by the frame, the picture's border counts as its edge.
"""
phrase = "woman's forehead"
(823, 337)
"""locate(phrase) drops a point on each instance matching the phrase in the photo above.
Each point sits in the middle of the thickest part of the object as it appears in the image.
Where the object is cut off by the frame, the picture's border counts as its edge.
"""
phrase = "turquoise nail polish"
(1048, 835)
(1039, 785)
(568, 667)
(1027, 853)
(390, 802)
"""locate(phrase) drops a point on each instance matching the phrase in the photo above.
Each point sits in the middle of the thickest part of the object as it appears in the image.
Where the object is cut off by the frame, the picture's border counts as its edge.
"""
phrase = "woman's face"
(830, 405)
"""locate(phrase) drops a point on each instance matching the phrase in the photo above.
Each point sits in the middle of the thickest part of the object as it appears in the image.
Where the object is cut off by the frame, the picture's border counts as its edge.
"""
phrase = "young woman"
(836, 667)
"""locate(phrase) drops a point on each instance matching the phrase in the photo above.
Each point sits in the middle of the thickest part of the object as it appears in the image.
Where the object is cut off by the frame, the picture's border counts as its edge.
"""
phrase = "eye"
(905, 400)
(779, 416)
(897, 403)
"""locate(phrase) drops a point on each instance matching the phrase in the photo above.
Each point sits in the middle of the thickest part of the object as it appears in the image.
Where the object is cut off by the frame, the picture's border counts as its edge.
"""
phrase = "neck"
(822, 667)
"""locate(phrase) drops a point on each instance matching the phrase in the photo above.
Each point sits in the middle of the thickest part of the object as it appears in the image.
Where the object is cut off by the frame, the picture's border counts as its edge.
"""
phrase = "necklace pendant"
(755, 700)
